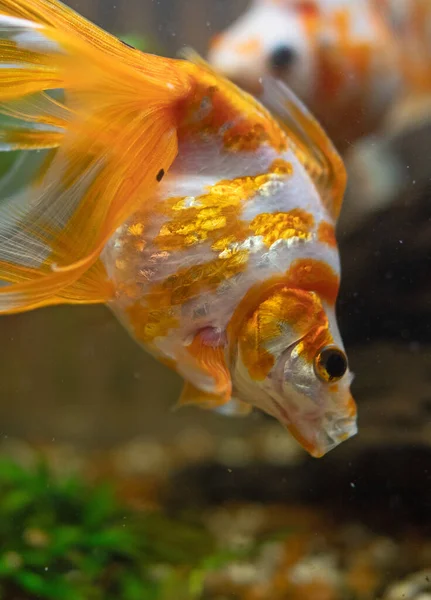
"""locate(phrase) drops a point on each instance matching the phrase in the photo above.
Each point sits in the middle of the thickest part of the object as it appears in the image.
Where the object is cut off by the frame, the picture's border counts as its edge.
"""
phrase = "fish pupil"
(335, 364)
(282, 57)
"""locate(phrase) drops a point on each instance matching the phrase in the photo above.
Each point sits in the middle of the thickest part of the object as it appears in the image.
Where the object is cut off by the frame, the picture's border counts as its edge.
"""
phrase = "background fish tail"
(101, 117)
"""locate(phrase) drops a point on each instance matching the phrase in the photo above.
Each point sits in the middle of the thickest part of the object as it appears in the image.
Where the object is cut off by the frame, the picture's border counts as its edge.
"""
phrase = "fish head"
(270, 39)
(290, 363)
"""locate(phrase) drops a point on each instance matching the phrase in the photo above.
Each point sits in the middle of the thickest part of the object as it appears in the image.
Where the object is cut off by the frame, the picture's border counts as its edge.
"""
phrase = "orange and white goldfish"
(340, 56)
(205, 223)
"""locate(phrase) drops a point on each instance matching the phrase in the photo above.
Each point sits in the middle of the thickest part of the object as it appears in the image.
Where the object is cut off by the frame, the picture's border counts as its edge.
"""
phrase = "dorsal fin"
(312, 146)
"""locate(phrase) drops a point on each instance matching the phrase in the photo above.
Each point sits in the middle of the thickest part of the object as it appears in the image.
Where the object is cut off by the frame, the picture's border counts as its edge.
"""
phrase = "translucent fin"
(93, 287)
(113, 132)
(191, 395)
(37, 109)
(211, 362)
(235, 408)
(312, 146)
(29, 138)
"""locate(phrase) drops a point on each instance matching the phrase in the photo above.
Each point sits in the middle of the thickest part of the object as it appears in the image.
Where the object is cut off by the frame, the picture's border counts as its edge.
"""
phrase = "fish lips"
(317, 432)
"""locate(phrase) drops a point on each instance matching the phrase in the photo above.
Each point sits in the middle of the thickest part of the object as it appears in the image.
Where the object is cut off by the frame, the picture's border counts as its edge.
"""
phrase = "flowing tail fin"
(104, 115)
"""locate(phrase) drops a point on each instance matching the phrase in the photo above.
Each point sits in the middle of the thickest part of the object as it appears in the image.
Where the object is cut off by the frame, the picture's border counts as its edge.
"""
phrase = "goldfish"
(203, 220)
(342, 57)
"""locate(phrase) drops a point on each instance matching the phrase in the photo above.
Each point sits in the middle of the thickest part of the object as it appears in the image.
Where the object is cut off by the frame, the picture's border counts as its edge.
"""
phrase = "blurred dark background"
(172, 23)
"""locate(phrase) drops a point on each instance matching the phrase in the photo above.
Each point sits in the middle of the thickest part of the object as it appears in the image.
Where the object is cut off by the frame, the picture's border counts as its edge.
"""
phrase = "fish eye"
(330, 364)
(282, 57)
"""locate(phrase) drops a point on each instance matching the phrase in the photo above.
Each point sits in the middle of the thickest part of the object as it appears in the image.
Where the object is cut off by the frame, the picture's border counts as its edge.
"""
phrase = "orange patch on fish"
(250, 46)
(149, 323)
(296, 223)
(293, 299)
(315, 276)
(342, 22)
(258, 361)
(318, 337)
(136, 229)
(256, 358)
(357, 54)
(216, 40)
(351, 408)
(214, 216)
(192, 281)
(219, 110)
(281, 167)
(307, 8)
(296, 309)
(304, 274)
(326, 234)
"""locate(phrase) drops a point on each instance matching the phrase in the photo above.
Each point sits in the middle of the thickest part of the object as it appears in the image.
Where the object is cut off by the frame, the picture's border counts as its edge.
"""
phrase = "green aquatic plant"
(63, 538)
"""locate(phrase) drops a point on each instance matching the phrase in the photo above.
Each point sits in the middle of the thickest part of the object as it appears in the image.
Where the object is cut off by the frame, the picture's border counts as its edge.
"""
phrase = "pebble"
(143, 456)
(414, 587)
(193, 445)
(276, 446)
(235, 452)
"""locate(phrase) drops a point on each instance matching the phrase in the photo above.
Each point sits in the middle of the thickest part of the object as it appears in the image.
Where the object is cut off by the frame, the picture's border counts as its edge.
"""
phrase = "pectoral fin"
(210, 360)
(235, 408)
(193, 395)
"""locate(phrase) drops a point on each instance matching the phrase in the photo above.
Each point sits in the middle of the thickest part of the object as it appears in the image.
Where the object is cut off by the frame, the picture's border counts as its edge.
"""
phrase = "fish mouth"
(320, 434)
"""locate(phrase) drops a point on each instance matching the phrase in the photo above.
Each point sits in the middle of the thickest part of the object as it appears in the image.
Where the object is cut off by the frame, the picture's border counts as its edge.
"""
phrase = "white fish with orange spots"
(348, 60)
(204, 221)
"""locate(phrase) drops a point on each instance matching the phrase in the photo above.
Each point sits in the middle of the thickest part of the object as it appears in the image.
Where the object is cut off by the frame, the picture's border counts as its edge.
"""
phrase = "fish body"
(208, 282)
(344, 58)
(202, 219)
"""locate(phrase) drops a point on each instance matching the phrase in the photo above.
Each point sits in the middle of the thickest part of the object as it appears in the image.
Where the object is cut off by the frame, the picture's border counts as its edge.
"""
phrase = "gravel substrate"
(289, 550)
